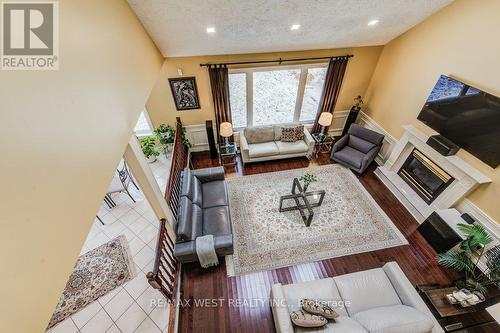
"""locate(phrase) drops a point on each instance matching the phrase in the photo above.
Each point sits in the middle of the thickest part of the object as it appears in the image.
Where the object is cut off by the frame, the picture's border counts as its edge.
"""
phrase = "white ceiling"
(178, 27)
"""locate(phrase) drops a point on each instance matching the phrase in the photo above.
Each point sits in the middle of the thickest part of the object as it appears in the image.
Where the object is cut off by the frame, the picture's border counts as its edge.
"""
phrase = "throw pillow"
(304, 319)
(320, 308)
(292, 134)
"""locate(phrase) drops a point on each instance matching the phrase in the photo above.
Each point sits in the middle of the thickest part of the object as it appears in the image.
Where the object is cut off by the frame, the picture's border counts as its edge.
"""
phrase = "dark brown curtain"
(219, 83)
(331, 88)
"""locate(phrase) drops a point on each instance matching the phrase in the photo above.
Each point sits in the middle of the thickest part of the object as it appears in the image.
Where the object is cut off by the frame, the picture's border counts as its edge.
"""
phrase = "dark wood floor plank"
(417, 260)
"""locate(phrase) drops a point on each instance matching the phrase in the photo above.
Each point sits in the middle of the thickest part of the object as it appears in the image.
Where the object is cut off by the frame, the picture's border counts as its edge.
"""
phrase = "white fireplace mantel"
(466, 177)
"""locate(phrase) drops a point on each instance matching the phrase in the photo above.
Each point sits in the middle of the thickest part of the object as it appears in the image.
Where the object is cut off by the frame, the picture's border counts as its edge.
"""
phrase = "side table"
(453, 318)
(227, 154)
(322, 143)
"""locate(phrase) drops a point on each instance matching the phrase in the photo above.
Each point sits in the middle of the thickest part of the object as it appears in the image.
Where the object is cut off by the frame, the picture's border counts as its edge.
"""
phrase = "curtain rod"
(280, 61)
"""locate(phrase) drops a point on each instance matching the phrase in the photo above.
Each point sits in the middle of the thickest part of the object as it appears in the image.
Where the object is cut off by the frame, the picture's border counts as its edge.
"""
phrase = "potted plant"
(466, 257)
(148, 144)
(308, 178)
(165, 135)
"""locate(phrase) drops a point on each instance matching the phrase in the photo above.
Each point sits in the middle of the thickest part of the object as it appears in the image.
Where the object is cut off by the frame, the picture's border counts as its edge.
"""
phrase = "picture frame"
(185, 93)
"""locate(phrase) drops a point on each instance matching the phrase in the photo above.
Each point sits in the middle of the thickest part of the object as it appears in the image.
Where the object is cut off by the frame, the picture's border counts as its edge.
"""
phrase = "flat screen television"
(467, 116)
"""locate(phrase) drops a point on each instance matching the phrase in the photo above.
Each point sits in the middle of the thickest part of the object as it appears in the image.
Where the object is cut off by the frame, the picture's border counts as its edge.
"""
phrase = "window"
(276, 95)
(312, 93)
(143, 126)
(237, 96)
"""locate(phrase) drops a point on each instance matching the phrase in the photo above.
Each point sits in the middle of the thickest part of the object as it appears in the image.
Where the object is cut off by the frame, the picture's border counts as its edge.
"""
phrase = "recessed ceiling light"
(372, 23)
(295, 27)
(211, 30)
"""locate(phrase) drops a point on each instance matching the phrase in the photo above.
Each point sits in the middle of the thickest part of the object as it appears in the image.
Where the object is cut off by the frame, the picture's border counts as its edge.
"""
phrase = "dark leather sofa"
(203, 210)
(358, 148)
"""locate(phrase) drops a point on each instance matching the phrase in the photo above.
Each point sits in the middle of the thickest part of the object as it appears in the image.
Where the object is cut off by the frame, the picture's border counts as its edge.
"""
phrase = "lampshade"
(226, 129)
(325, 119)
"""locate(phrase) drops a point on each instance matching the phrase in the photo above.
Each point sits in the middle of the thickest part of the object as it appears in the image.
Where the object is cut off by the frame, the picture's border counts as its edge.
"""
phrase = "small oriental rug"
(95, 274)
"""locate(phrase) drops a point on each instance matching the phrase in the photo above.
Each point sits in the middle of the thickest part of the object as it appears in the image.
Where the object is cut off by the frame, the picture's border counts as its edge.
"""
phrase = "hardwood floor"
(416, 260)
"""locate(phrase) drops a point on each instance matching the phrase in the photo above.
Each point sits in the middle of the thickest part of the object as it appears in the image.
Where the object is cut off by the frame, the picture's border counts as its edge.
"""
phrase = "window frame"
(248, 71)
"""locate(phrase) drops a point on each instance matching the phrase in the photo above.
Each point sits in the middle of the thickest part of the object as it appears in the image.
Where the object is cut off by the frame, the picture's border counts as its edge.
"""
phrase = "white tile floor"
(130, 307)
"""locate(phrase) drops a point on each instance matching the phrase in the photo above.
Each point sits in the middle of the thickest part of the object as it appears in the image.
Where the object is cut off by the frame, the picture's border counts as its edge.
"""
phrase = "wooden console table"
(453, 318)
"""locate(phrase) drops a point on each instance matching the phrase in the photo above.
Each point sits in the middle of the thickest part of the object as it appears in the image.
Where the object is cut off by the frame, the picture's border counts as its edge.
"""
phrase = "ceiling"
(178, 27)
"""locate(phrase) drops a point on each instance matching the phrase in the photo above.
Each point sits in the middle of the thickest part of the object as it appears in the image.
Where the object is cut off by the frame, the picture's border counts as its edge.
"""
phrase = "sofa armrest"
(407, 293)
(341, 143)
(279, 308)
(185, 251)
(209, 174)
(244, 147)
(308, 139)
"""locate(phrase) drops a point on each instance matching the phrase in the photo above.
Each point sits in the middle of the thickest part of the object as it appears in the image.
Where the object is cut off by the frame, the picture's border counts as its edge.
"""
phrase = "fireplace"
(425, 177)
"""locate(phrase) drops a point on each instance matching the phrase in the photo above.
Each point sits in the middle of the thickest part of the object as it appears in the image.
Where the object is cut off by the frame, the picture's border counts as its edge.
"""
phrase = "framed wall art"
(185, 93)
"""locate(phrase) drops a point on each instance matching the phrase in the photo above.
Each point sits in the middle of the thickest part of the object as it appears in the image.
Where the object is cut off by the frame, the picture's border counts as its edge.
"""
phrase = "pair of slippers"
(314, 313)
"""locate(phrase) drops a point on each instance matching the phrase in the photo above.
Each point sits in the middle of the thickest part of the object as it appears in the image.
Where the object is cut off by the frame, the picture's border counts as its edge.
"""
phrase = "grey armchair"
(203, 210)
(358, 148)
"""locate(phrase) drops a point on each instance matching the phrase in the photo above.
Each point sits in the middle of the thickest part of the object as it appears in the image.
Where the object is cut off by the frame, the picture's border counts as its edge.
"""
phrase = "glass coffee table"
(300, 201)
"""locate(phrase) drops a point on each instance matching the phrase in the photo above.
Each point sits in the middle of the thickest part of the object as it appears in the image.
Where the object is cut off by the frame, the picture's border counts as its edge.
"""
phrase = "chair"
(120, 184)
(358, 148)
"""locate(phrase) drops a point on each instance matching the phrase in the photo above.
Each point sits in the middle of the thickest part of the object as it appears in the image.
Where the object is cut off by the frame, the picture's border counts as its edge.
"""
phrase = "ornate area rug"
(349, 221)
(95, 274)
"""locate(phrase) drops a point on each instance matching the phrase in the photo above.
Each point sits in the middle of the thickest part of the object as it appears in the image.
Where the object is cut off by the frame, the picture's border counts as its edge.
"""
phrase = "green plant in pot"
(148, 144)
(308, 178)
(466, 257)
(165, 135)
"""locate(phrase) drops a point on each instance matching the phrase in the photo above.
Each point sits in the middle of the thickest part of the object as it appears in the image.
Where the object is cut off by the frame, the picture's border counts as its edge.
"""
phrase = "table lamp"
(325, 119)
(226, 130)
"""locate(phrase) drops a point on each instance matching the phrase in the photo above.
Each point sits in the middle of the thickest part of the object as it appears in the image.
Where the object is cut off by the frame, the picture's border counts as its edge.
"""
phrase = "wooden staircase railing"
(180, 160)
(164, 276)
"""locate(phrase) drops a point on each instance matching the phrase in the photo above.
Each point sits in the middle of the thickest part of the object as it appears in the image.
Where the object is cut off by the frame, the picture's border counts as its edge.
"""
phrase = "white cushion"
(324, 290)
(366, 289)
(394, 319)
(259, 134)
(263, 149)
(292, 147)
(342, 324)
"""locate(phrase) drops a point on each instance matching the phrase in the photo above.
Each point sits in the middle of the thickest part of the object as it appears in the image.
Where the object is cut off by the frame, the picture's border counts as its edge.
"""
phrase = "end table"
(322, 143)
(227, 154)
(453, 318)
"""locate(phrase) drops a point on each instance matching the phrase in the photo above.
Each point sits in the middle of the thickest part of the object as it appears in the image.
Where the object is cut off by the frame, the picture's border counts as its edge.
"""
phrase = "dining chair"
(121, 184)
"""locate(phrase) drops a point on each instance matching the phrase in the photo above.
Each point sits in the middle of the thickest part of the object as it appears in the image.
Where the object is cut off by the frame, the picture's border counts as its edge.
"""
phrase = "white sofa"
(380, 300)
(263, 143)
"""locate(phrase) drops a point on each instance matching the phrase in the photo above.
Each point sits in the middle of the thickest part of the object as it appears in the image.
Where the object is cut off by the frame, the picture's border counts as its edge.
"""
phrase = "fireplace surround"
(459, 178)
(425, 177)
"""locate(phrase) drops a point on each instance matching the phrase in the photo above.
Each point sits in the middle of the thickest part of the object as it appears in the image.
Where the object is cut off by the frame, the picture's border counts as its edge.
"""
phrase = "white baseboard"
(338, 122)
(389, 141)
(467, 206)
(197, 135)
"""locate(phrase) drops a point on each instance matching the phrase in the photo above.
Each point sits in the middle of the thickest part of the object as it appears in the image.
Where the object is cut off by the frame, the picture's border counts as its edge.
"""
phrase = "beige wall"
(63, 133)
(161, 107)
(459, 41)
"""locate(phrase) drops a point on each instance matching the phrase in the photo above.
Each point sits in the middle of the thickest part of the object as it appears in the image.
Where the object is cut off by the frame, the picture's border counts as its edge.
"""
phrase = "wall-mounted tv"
(467, 116)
